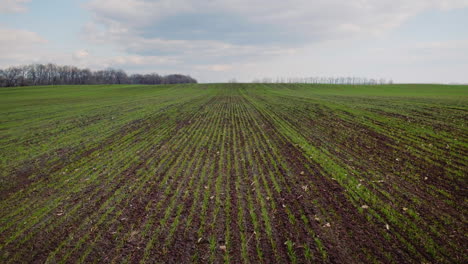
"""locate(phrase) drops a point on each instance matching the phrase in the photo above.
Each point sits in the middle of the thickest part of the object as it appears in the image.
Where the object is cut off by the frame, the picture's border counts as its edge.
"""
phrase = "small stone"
(365, 207)
(223, 247)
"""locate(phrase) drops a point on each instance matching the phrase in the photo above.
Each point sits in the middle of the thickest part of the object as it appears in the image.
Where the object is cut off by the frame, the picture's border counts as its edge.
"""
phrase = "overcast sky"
(216, 40)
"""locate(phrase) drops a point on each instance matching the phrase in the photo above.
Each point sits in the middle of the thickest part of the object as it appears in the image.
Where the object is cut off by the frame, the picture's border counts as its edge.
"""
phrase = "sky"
(417, 41)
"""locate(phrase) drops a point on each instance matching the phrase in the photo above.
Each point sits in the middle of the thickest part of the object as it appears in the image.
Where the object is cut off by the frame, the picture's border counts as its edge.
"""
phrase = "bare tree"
(2, 78)
(51, 74)
(342, 80)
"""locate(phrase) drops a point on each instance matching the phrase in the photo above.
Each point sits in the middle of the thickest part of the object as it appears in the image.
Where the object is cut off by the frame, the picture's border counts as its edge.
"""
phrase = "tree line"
(51, 74)
(327, 80)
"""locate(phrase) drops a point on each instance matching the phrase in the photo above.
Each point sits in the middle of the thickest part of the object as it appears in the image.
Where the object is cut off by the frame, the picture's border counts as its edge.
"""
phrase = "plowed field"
(234, 173)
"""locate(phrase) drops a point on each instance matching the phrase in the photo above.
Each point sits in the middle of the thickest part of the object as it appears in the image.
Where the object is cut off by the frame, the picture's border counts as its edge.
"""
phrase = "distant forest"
(51, 74)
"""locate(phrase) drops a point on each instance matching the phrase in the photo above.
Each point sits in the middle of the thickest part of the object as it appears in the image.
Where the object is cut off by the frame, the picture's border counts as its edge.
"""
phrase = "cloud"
(428, 61)
(215, 68)
(80, 54)
(17, 38)
(222, 39)
(227, 31)
(447, 53)
(309, 18)
(83, 58)
(13, 6)
(135, 60)
(18, 46)
(210, 51)
(419, 61)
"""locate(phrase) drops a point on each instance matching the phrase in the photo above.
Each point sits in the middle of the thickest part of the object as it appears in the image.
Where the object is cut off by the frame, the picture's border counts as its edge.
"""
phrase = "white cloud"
(132, 25)
(216, 40)
(80, 54)
(135, 60)
(83, 58)
(13, 6)
(18, 46)
(307, 16)
(192, 49)
(17, 38)
(215, 67)
(436, 62)
(136, 12)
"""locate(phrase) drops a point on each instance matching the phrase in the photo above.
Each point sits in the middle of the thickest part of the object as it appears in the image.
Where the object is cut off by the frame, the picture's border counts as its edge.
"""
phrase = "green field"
(234, 173)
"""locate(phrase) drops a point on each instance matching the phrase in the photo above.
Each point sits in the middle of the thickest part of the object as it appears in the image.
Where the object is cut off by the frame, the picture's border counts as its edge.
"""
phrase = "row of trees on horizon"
(51, 74)
(326, 80)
